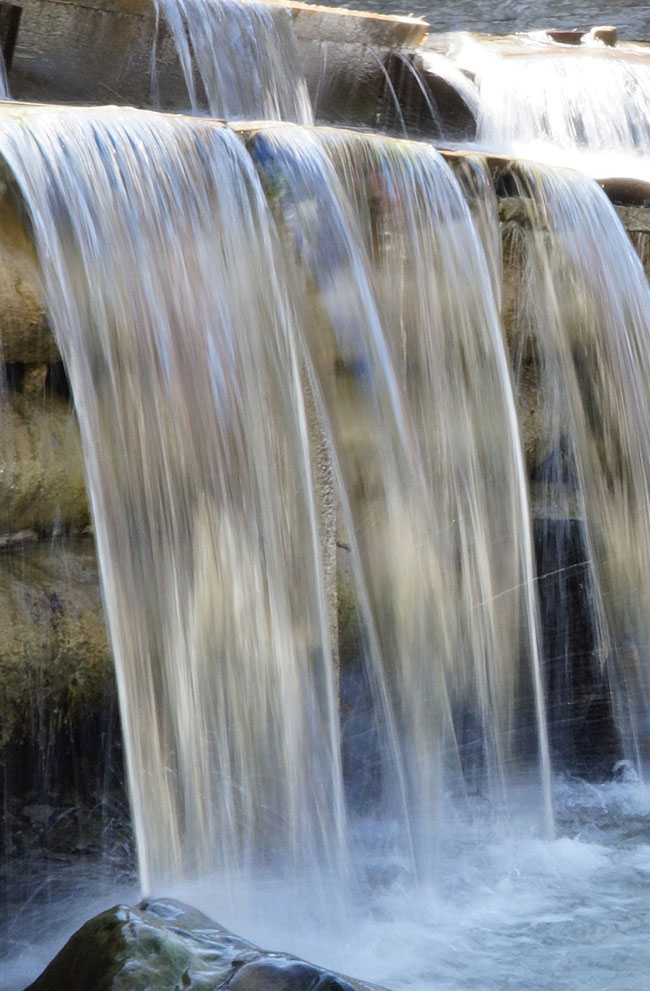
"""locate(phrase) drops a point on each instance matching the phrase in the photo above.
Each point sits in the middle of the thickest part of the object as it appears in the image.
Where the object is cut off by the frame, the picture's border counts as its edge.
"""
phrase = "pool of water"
(510, 909)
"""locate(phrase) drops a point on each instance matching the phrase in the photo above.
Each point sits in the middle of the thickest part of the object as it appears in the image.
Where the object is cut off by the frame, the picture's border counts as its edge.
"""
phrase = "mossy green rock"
(167, 946)
(54, 654)
(42, 482)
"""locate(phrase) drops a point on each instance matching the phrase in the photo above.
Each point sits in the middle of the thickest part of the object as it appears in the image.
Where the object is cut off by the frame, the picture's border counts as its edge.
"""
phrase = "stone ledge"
(356, 26)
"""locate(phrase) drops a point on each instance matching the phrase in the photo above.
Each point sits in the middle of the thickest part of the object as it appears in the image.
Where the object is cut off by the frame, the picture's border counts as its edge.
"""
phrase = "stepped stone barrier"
(100, 51)
(356, 64)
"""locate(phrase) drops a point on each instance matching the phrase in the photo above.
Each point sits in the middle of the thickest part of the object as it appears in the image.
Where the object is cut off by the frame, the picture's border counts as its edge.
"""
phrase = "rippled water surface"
(632, 18)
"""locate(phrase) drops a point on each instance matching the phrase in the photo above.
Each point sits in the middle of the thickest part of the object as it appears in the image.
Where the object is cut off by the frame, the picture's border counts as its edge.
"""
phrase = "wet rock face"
(166, 946)
(582, 728)
(62, 795)
(54, 655)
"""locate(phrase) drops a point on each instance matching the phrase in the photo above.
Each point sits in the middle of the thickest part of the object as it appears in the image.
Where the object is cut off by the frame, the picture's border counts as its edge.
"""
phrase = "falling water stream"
(432, 522)
(196, 443)
(246, 55)
(245, 311)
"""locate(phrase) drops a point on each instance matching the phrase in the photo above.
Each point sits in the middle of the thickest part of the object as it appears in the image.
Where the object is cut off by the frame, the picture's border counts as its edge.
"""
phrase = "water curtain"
(233, 307)
(173, 316)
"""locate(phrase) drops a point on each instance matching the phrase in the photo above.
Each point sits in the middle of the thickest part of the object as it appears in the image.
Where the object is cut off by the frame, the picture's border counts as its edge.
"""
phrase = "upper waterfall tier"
(540, 96)
(258, 60)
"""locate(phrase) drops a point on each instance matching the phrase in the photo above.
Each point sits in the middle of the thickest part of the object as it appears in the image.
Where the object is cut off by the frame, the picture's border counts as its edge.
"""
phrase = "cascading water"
(170, 299)
(189, 480)
(588, 302)
(431, 495)
(585, 107)
(227, 303)
(176, 327)
(247, 58)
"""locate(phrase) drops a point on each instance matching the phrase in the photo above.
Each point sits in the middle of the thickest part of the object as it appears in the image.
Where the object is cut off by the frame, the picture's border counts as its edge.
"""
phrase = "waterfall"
(417, 336)
(247, 58)
(244, 310)
(172, 312)
(316, 368)
(192, 334)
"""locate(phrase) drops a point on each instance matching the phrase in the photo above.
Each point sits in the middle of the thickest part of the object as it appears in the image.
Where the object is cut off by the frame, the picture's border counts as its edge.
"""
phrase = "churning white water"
(508, 909)
(584, 106)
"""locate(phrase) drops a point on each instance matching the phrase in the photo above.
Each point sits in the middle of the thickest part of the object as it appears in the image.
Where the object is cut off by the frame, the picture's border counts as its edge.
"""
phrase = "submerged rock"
(164, 945)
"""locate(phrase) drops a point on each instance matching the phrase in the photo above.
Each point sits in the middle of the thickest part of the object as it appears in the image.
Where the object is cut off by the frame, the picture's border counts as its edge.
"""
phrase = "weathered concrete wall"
(41, 473)
(24, 330)
(42, 485)
(92, 53)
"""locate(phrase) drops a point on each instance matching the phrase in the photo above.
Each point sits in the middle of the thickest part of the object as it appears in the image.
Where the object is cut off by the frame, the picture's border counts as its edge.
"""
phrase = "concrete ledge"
(134, 8)
(356, 26)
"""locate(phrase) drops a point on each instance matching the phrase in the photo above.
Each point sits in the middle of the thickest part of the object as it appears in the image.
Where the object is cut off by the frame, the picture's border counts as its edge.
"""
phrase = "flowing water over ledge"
(385, 287)
(580, 106)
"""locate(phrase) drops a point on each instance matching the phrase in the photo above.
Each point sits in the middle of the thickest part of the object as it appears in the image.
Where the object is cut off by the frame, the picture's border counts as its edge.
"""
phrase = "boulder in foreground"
(164, 945)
